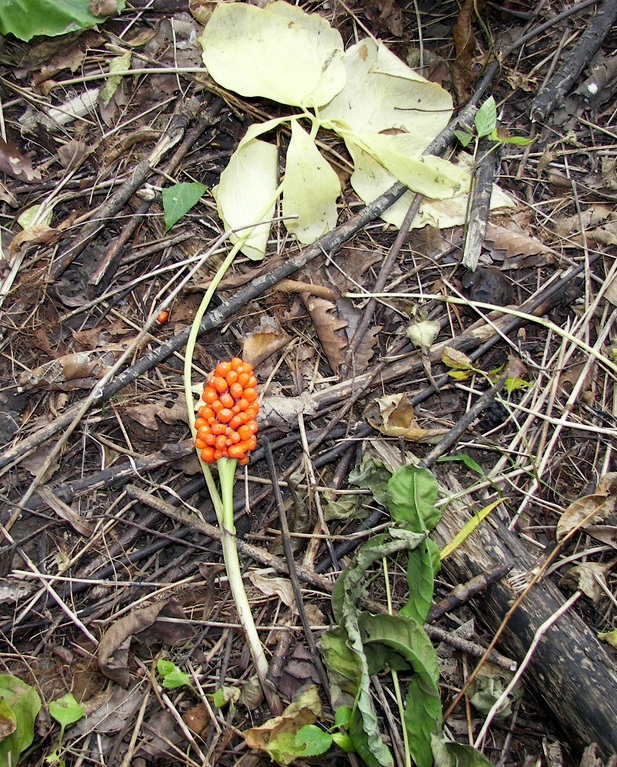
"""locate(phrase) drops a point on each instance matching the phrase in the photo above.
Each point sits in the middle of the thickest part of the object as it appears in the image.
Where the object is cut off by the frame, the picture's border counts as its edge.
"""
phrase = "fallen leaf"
(283, 411)
(464, 46)
(586, 577)
(393, 415)
(114, 646)
(148, 413)
(596, 507)
(387, 15)
(17, 165)
(71, 371)
(516, 249)
(271, 736)
(267, 339)
(327, 324)
(271, 585)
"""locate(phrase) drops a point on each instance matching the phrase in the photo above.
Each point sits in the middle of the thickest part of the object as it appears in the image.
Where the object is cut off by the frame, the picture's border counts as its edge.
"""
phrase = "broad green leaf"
(350, 589)
(311, 740)
(408, 639)
(179, 199)
(277, 52)
(27, 18)
(448, 754)
(310, 189)
(117, 64)
(247, 191)
(344, 672)
(422, 565)
(384, 94)
(412, 493)
(172, 676)
(486, 118)
(20, 705)
(66, 710)
(516, 140)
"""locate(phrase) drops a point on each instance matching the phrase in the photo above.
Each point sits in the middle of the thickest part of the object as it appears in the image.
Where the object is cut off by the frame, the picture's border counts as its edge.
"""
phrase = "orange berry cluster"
(226, 425)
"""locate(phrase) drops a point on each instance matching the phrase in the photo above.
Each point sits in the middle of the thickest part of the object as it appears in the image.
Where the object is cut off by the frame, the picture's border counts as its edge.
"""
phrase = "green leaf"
(466, 460)
(486, 118)
(372, 475)
(27, 18)
(422, 565)
(448, 754)
(517, 140)
(66, 710)
(226, 695)
(463, 137)
(117, 64)
(172, 676)
(247, 190)
(278, 52)
(342, 717)
(19, 705)
(179, 199)
(412, 493)
(408, 639)
(349, 590)
(514, 384)
(310, 189)
(311, 740)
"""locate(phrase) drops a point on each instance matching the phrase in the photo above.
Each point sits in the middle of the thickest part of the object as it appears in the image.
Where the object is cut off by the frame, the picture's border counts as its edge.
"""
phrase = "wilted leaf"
(310, 188)
(276, 736)
(393, 415)
(272, 585)
(117, 64)
(515, 248)
(488, 686)
(423, 333)
(586, 577)
(596, 506)
(247, 190)
(15, 164)
(179, 199)
(283, 411)
(278, 52)
(610, 637)
(453, 358)
(383, 94)
(327, 324)
(266, 341)
(465, 46)
(71, 371)
(113, 648)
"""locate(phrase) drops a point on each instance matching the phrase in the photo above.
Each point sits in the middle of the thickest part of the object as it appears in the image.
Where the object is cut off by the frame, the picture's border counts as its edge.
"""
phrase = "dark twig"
(591, 39)
(480, 203)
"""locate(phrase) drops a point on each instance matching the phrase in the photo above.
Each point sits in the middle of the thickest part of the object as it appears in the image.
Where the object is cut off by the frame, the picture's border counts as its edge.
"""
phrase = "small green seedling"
(485, 123)
(172, 677)
(179, 199)
(66, 711)
(19, 705)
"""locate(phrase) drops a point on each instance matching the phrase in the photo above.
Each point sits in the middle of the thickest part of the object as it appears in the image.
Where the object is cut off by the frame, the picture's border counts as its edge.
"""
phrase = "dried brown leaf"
(596, 507)
(148, 413)
(271, 585)
(465, 46)
(515, 248)
(266, 341)
(113, 650)
(71, 371)
(394, 416)
(366, 348)
(17, 165)
(327, 324)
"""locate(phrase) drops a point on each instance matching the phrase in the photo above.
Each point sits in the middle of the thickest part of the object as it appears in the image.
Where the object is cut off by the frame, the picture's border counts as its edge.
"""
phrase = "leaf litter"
(330, 130)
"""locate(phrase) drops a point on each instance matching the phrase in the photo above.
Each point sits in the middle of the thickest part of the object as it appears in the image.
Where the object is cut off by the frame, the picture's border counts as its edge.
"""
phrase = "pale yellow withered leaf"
(310, 188)
(277, 52)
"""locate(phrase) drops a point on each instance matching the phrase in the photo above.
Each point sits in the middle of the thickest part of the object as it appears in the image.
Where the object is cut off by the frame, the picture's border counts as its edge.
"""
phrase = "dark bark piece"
(582, 53)
(569, 669)
(480, 203)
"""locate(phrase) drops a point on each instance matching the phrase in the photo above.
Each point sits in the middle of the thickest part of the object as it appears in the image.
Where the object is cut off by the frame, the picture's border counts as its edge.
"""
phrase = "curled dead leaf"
(113, 650)
(586, 577)
(71, 371)
(271, 585)
(590, 509)
(282, 411)
(327, 324)
(393, 415)
(514, 249)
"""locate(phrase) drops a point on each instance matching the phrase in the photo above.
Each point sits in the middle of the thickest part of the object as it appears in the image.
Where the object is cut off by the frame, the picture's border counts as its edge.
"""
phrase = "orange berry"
(222, 369)
(244, 460)
(210, 439)
(216, 405)
(221, 442)
(163, 317)
(250, 394)
(235, 422)
(231, 377)
(236, 363)
(207, 455)
(209, 394)
(236, 390)
(225, 415)
(205, 413)
(227, 400)
(245, 431)
(218, 383)
(199, 444)
(243, 379)
(218, 428)
(252, 412)
(235, 451)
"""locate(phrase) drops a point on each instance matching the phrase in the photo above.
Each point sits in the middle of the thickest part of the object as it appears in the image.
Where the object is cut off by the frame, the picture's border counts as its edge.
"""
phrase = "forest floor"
(107, 560)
